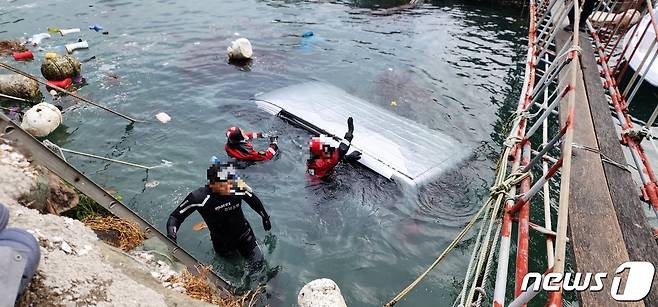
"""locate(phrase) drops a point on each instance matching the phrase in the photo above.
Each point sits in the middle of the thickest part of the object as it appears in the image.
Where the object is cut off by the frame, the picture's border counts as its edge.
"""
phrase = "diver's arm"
(253, 135)
(179, 215)
(254, 202)
(347, 140)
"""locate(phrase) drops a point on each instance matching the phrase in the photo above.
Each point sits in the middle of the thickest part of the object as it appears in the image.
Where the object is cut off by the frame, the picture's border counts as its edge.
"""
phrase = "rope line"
(61, 151)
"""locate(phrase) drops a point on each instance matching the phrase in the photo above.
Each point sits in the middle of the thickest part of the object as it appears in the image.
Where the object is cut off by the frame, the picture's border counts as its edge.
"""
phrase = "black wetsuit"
(229, 230)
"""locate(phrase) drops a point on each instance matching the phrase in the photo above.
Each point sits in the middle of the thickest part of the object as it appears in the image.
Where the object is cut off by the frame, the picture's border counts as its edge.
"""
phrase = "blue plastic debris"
(307, 34)
(96, 27)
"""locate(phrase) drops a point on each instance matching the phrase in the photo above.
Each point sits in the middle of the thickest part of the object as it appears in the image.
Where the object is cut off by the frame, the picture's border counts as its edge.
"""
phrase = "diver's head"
(235, 135)
(220, 178)
(319, 147)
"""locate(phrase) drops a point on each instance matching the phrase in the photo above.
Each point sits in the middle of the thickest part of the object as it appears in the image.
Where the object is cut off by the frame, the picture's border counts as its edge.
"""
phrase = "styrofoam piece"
(240, 49)
(163, 117)
(322, 292)
(41, 119)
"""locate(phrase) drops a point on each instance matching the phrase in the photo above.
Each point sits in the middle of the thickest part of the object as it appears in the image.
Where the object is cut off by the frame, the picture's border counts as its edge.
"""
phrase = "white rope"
(469, 270)
(487, 268)
(61, 151)
(14, 98)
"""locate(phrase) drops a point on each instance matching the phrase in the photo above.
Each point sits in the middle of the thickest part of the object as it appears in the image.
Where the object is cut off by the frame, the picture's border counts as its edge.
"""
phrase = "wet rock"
(322, 292)
(19, 86)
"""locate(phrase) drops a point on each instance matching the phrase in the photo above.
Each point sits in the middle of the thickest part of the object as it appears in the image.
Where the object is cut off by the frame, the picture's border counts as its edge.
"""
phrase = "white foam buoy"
(41, 119)
(163, 117)
(69, 31)
(75, 46)
(240, 49)
(322, 292)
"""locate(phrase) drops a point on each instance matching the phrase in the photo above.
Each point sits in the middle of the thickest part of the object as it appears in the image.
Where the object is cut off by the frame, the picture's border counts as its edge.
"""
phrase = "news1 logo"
(638, 281)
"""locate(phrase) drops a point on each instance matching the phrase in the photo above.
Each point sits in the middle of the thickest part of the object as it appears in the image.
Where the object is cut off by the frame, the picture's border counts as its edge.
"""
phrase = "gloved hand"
(267, 225)
(350, 129)
(171, 232)
(274, 139)
(353, 156)
(172, 228)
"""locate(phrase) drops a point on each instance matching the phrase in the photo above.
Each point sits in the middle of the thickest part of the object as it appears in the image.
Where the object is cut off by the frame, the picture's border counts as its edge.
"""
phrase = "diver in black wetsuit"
(219, 203)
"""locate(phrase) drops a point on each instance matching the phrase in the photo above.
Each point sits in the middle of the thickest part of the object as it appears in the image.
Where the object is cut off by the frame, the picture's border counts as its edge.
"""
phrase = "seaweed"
(86, 208)
(117, 232)
(8, 47)
(197, 286)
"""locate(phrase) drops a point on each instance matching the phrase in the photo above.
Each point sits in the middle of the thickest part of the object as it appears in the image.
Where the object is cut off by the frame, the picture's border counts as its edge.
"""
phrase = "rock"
(19, 86)
(240, 49)
(60, 67)
(41, 119)
(51, 195)
(66, 247)
(322, 292)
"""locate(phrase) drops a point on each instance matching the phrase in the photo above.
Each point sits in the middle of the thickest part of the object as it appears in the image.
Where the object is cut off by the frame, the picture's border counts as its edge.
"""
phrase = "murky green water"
(452, 67)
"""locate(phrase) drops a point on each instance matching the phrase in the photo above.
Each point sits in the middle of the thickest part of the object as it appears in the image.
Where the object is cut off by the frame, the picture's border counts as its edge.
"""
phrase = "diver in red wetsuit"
(324, 157)
(238, 147)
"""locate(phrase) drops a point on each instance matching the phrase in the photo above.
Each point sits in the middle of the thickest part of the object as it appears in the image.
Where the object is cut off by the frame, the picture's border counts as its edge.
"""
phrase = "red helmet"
(234, 135)
(319, 146)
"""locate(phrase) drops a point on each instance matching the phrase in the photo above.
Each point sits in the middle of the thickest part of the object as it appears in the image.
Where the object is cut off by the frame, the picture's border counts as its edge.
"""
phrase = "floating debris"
(42, 119)
(61, 83)
(23, 56)
(75, 46)
(9, 47)
(19, 86)
(96, 27)
(37, 38)
(240, 49)
(69, 31)
(58, 68)
(152, 184)
(163, 117)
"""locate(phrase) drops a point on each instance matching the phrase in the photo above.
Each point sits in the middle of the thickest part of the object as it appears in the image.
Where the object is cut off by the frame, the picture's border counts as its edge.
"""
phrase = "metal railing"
(625, 35)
